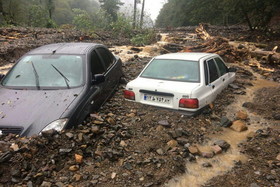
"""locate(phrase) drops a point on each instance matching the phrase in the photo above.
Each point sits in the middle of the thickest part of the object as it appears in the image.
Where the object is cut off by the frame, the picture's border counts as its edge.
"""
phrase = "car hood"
(32, 110)
(162, 85)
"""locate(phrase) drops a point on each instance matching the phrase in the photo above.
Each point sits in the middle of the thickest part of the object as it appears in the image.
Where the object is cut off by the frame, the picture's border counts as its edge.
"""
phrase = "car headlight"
(57, 125)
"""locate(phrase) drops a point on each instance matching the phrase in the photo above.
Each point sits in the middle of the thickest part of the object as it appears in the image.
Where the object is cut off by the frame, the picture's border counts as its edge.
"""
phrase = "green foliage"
(37, 16)
(82, 19)
(256, 13)
(111, 7)
(145, 38)
(122, 26)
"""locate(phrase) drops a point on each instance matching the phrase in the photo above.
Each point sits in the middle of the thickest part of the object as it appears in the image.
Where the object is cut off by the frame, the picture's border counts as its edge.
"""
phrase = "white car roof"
(192, 56)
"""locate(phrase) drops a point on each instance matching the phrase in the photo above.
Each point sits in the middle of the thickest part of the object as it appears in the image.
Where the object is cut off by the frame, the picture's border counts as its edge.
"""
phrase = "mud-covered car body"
(181, 81)
(56, 86)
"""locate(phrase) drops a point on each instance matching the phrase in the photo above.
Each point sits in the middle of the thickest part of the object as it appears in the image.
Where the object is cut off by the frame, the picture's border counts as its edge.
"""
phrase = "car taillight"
(129, 95)
(188, 103)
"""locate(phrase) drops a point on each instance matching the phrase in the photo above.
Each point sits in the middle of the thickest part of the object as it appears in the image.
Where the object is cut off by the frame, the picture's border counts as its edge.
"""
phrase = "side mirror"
(98, 78)
(231, 69)
(1, 76)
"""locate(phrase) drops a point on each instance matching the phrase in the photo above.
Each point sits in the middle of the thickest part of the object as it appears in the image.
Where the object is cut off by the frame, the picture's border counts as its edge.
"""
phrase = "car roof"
(192, 56)
(65, 48)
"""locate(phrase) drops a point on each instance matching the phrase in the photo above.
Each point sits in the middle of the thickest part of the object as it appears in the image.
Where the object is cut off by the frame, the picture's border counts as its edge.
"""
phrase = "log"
(202, 33)
(270, 56)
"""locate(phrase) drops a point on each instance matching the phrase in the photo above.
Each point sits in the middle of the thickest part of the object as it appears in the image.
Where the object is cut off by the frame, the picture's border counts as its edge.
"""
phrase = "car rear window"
(174, 70)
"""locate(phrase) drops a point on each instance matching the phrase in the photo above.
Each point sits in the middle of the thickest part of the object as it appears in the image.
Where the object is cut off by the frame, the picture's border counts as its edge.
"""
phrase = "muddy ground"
(129, 144)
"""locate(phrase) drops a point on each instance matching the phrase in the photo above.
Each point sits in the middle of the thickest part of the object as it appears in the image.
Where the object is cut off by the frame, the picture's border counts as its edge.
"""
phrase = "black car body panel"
(29, 110)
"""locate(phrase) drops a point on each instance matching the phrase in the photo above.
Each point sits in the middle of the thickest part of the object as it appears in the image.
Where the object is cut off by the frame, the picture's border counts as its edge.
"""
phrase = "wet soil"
(130, 144)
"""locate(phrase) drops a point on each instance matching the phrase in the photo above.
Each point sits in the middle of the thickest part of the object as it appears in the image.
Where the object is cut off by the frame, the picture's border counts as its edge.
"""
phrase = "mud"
(124, 143)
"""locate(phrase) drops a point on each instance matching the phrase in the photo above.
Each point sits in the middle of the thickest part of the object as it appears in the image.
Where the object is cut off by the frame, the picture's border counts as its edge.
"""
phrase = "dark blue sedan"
(56, 86)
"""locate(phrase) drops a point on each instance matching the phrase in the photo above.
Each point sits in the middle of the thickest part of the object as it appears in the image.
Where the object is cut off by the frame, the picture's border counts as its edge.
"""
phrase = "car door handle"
(213, 86)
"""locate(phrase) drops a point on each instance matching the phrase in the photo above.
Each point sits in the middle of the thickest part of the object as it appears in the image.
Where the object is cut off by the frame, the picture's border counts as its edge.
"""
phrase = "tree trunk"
(142, 14)
(134, 14)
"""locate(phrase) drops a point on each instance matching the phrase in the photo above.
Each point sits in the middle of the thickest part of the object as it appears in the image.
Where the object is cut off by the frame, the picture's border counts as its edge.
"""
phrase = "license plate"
(158, 99)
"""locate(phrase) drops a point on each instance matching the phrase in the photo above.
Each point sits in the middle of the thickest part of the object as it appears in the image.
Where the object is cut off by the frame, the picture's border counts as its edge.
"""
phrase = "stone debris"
(242, 115)
(239, 126)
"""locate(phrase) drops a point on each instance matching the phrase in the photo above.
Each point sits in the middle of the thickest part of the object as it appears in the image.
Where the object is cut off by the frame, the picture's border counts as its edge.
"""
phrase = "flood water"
(197, 175)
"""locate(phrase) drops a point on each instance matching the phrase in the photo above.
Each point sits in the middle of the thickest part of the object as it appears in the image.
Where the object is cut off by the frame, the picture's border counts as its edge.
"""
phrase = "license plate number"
(158, 99)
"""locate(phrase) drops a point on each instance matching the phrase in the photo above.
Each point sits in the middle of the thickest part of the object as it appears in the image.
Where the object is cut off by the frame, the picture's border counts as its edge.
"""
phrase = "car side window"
(206, 74)
(212, 70)
(107, 57)
(96, 64)
(222, 67)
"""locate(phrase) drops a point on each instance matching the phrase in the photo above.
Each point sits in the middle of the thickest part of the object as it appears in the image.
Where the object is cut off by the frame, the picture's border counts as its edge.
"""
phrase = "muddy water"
(196, 174)
(4, 69)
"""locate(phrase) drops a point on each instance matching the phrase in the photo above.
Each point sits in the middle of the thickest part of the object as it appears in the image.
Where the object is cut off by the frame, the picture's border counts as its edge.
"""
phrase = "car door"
(110, 74)
(97, 91)
(223, 70)
(214, 80)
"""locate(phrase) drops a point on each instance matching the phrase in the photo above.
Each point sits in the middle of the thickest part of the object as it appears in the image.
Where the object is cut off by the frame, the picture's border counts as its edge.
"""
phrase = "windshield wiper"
(65, 78)
(36, 75)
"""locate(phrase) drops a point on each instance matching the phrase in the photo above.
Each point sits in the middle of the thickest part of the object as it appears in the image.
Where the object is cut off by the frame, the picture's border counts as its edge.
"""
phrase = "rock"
(95, 129)
(164, 123)
(4, 146)
(74, 168)
(29, 184)
(207, 165)
(217, 149)
(159, 128)
(248, 105)
(207, 154)
(270, 177)
(123, 144)
(131, 115)
(111, 121)
(251, 135)
(113, 175)
(77, 177)
(78, 158)
(172, 143)
(160, 151)
(278, 157)
(97, 122)
(238, 126)
(254, 185)
(127, 166)
(179, 132)
(59, 184)
(193, 150)
(69, 135)
(223, 144)
(242, 115)
(182, 141)
(99, 118)
(233, 86)
(65, 150)
(276, 116)
(46, 184)
(14, 147)
(225, 122)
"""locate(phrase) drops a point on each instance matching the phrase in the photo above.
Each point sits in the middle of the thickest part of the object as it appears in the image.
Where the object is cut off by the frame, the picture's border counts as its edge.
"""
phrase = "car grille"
(11, 130)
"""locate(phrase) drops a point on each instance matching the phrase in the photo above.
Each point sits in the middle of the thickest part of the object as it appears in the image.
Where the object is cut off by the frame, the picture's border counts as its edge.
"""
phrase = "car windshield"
(175, 70)
(46, 72)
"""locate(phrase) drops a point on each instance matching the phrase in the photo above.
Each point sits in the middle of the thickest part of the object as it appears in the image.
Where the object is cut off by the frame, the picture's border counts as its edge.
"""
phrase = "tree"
(111, 7)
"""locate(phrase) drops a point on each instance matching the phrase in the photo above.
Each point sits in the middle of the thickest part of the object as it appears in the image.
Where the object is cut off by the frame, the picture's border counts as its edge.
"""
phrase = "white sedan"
(182, 81)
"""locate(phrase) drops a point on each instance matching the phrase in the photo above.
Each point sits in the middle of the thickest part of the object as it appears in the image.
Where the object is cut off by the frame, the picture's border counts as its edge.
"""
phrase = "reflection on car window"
(177, 70)
(96, 64)
(212, 70)
(222, 67)
(107, 57)
(22, 75)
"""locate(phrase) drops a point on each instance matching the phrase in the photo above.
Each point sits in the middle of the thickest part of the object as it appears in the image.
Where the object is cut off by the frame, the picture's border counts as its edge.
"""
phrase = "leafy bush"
(82, 19)
(146, 38)
(122, 26)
